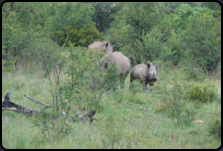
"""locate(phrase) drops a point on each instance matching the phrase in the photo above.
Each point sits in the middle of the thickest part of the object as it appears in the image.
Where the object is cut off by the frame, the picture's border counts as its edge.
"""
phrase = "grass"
(121, 124)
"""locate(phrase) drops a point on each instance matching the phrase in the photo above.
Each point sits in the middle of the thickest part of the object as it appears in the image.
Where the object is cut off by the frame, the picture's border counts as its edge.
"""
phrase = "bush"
(203, 93)
(78, 36)
(84, 85)
(172, 94)
(214, 127)
(10, 65)
(111, 78)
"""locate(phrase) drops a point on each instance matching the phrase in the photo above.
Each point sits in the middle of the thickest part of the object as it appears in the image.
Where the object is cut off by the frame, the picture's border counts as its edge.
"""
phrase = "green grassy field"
(121, 124)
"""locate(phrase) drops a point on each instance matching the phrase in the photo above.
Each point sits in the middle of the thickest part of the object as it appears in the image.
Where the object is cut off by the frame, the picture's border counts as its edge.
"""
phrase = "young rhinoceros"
(105, 46)
(146, 74)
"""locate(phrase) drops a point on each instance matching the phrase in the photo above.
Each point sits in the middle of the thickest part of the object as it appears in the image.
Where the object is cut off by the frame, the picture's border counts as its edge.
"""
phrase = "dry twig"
(47, 106)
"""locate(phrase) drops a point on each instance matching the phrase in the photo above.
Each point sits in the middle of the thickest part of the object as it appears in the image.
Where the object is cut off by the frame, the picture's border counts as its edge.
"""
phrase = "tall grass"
(121, 124)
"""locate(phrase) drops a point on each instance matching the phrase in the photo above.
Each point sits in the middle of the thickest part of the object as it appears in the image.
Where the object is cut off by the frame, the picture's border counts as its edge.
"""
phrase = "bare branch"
(48, 90)
(145, 130)
(51, 85)
(55, 76)
(47, 106)
(65, 119)
(42, 92)
(99, 141)
(66, 39)
(43, 80)
(99, 99)
(19, 18)
(58, 74)
(63, 67)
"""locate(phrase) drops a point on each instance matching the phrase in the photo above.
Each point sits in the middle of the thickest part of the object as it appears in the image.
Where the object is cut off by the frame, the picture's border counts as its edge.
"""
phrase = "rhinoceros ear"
(156, 66)
(114, 45)
(106, 44)
(106, 65)
(148, 65)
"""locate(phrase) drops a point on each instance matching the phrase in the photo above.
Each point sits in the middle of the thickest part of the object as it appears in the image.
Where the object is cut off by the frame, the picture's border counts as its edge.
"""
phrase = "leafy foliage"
(26, 25)
(101, 17)
(199, 41)
(214, 127)
(134, 23)
(11, 63)
(172, 96)
(88, 82)
(203, 93)
(50, 40)
(111, 78)
(78, 36)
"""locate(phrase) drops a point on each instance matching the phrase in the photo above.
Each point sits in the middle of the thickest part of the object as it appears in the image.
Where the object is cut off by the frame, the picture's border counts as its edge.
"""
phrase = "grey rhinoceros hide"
(146, 74)
(122, 62)
(104, 46)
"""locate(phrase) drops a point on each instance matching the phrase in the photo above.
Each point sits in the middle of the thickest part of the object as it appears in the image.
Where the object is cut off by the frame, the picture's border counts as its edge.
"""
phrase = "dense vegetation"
(44, 55)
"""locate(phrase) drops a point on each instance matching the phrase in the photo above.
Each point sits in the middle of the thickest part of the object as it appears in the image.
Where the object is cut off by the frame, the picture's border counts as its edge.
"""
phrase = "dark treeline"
(187, 32)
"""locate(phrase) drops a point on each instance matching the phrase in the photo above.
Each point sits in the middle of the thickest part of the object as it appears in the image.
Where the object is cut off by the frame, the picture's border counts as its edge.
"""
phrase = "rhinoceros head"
(151, 72)
(108, 47)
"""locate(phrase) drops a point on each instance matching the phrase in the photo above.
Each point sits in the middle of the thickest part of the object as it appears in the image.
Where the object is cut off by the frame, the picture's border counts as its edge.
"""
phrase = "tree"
(78, 36)
(203, 40)
(25, 25)
(17, 31)
(212, 5)
(102, 14)
(133, 22)
(69, 14)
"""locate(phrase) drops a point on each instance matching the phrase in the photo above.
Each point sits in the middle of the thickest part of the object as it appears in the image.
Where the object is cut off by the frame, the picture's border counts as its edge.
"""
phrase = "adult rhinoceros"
(105, 46)
(122, 62)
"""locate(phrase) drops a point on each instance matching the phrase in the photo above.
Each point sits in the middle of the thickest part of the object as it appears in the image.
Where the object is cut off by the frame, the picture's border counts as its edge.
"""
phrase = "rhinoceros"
(105, 46)
(146, 74)
(122, 62)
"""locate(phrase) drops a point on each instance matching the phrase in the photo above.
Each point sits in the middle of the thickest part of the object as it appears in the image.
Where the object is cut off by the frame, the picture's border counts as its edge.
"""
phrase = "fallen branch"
(47, 106)
(10, 109)
(8, 105)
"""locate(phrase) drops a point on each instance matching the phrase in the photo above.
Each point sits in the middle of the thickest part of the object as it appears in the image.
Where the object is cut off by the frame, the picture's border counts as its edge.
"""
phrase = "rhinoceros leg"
(144, 86)
(122, 79)
(131, 79)
(151, 88)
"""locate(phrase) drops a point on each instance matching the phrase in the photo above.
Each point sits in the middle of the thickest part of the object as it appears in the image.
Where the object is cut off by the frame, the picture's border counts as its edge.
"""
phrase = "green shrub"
(78, 36)
(214, 127)
(84, 87)
(9, 64)
(111, 78)
(172, 95)
(203, 93)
